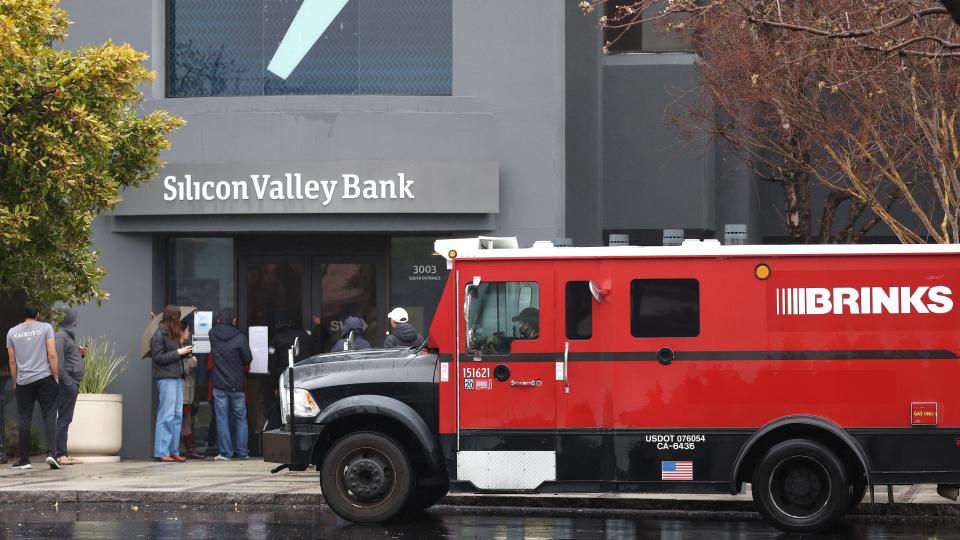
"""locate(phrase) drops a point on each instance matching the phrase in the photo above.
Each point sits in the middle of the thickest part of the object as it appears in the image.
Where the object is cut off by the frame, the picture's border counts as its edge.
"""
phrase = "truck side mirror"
(296, 347)
(597, 292)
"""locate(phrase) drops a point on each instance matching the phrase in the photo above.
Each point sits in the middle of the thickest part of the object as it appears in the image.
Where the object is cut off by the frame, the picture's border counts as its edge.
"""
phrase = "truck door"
(584, 399)
(506, 379)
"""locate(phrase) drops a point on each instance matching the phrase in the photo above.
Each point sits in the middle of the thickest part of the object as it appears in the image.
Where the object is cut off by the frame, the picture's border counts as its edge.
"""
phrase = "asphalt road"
(134, 521)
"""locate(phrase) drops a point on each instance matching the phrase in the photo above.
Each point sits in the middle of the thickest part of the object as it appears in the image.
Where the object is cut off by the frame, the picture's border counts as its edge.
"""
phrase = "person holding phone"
(167, 356)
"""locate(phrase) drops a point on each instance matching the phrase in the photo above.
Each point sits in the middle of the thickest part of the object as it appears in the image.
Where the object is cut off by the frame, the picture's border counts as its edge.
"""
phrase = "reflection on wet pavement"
(125, 521)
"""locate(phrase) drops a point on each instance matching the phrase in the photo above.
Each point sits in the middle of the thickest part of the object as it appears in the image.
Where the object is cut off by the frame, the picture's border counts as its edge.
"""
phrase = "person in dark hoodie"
(354, 326)
(71, 373)
(402, 333)
(280, 346)
(230, 352)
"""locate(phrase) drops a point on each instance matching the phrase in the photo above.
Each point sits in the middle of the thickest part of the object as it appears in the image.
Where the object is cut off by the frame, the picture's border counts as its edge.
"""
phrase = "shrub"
(101, 366)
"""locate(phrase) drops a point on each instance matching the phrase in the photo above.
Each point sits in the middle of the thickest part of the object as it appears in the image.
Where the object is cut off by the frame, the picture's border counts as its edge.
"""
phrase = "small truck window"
(501, 313)
(664, 308)
(579, 310)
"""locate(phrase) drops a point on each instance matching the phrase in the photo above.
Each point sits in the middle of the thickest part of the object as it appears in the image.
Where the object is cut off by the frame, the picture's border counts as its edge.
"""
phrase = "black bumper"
(277, 447)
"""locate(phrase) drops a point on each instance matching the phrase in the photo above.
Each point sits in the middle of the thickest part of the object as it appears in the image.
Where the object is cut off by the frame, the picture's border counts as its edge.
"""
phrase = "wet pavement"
(127, 521)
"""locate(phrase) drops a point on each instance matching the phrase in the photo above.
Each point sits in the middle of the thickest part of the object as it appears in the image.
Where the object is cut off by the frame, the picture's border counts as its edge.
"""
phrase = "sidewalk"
(250, 483)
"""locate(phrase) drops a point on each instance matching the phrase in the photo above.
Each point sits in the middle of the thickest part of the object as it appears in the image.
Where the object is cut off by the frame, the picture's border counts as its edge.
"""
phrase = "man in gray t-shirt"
(35, 373)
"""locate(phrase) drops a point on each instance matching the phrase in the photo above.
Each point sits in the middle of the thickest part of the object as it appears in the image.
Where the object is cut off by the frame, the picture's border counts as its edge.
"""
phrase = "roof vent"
(734, 234)
(619, 240)
(493, 242)
(563, 242)
(673, 237)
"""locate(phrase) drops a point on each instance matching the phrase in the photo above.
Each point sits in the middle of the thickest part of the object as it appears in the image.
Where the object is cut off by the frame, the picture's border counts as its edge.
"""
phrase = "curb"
(459, 500)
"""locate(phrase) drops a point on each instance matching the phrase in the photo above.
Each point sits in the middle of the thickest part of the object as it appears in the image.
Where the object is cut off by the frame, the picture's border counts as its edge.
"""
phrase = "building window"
(579, 315)
(202, 273)
(629, 33)
(417, 278)
(267, 47)
(664, 308)
(501, 313)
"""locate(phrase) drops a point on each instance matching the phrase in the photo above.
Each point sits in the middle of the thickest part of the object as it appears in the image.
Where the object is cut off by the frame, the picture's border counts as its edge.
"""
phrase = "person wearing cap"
(529, 319)
(402, 333)
(528, 329)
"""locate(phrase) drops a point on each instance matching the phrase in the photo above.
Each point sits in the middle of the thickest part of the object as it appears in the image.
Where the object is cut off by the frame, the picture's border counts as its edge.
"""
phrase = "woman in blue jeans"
(167, 354)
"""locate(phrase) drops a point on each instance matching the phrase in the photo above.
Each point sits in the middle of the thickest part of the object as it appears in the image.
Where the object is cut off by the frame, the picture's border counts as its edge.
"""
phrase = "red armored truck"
(809, 372)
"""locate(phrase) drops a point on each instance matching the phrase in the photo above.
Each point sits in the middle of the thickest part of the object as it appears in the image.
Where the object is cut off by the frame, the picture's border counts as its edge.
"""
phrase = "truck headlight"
(303, 404)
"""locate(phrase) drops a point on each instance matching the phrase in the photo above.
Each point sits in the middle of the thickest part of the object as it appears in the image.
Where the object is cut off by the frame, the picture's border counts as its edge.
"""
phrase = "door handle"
(534, 383)
(566, 367)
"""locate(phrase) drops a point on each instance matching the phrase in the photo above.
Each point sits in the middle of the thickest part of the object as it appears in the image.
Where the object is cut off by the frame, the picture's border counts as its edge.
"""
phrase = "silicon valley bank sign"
(318, 187)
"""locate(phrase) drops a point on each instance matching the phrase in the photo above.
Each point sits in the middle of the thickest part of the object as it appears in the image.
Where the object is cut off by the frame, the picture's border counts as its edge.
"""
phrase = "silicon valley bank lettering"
(289, 187)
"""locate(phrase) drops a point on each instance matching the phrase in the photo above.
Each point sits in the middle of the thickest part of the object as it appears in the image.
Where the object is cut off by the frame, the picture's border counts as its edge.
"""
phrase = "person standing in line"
(32, 351)
(189, 397)
(280, 346)
(231, 353)
(351, 336)
(167, 355)
(402, 333)
(70, 356)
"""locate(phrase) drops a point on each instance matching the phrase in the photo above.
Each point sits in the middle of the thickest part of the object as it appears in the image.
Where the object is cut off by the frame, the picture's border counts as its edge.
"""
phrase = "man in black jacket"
(231, 353)
(402, 333)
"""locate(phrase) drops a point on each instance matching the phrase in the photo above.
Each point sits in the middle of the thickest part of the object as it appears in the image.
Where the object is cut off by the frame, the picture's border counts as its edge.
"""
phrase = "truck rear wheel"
(366, 477)
(801, 486)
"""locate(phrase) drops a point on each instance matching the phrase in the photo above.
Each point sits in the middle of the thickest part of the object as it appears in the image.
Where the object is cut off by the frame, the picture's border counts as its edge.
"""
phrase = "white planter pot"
(96, 433)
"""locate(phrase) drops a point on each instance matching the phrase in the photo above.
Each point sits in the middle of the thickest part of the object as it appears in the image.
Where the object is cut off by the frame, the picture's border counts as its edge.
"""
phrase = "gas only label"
(675, 441)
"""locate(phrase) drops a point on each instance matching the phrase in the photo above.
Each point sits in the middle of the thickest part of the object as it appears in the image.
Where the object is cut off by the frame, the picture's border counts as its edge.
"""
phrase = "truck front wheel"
(366, 477)
(801, 486)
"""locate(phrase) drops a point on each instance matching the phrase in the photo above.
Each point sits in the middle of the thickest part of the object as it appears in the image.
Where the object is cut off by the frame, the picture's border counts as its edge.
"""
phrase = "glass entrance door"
(301, 291)
(347, 288)
(274, 292)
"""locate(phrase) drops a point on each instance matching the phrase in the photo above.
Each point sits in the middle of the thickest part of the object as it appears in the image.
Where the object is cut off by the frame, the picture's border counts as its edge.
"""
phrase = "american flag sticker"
(676, 470)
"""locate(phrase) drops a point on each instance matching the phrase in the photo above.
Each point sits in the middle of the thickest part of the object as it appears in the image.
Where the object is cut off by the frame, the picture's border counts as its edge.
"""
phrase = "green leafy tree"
(71, 139)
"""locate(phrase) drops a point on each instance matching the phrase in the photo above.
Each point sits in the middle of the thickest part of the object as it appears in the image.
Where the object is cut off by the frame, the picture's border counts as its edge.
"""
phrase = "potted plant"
(96, 433)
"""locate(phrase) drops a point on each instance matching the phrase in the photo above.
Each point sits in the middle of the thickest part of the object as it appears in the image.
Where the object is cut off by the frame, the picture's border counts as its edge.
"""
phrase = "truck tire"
(801, 486)
(424, 497)
(857, 491)
(366, 477)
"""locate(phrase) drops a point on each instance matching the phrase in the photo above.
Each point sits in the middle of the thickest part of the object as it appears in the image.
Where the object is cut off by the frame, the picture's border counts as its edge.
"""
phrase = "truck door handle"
(566, 367)
(533, 383)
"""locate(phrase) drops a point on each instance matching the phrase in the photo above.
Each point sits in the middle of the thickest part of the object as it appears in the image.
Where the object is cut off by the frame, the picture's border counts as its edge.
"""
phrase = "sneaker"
(22, 465)
(53, 463)
(242, 458)
(221, 458)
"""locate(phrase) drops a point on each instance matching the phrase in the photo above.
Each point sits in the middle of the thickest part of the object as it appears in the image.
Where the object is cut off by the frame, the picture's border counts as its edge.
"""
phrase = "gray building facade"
(288, 197)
